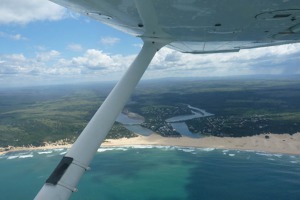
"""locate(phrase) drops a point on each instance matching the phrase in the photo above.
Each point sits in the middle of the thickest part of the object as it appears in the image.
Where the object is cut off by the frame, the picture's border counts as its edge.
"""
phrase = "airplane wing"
(200, 26)
(191, 26)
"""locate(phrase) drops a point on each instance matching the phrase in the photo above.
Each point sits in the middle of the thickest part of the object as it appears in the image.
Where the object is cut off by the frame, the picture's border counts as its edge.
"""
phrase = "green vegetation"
(241, 107)
(37, 115)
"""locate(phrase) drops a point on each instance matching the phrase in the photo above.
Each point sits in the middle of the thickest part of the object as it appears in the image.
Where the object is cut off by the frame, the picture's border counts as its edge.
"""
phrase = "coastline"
(276, 143)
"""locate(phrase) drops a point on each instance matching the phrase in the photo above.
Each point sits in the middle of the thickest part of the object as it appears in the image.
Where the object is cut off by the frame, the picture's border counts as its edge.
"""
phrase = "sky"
(43, 43)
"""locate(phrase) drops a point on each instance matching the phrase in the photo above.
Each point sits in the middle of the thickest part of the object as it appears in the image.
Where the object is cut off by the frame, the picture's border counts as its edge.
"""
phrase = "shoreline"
(276, 143)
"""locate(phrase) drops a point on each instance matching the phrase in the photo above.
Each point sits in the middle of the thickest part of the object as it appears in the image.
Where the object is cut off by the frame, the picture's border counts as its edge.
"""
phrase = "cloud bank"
(26, 11)
(95, 64)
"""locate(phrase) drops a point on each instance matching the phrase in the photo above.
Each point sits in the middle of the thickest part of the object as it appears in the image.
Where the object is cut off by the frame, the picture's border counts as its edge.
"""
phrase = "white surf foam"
(26, 156)
(264, 154)
(63, 153)
(165, 147)
(44, 152)
(292, 156)
(58, 149)
(207, 149)
(142, 146)
(188, 150)
(103, 149)
(12, 157)
(269, 154)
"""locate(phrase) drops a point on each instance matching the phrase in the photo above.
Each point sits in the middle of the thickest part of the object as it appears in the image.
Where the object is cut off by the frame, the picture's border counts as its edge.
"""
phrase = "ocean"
(161, 173)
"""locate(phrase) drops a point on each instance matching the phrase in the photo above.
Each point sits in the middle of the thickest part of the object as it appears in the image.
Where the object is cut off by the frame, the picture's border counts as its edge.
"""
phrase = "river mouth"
(133, 121)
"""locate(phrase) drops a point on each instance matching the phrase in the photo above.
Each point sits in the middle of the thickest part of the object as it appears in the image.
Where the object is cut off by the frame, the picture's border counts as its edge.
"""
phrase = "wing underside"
(200, 26)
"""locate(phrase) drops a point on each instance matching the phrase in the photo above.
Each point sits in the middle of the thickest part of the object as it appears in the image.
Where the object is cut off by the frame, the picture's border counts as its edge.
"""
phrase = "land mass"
(241, 107)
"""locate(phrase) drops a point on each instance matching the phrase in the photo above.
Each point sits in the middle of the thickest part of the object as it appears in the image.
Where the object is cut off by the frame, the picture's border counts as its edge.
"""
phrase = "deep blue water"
(160, 173)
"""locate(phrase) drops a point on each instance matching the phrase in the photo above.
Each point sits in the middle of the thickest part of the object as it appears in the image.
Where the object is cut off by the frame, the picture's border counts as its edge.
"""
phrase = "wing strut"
(64, 179)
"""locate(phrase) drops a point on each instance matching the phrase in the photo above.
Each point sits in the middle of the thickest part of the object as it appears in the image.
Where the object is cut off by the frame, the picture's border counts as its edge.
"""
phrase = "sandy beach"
(276, 143)
(283, 143)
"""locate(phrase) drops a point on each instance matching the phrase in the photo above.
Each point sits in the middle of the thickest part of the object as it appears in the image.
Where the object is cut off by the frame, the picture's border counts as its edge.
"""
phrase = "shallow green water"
(160, 173)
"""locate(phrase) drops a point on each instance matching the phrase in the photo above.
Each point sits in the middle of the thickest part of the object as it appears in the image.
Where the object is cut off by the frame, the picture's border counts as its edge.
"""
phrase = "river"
(133, 124)
(178, 122)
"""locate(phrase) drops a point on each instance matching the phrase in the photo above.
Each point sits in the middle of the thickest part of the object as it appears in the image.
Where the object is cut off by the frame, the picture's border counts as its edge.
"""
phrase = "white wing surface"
(200, 26)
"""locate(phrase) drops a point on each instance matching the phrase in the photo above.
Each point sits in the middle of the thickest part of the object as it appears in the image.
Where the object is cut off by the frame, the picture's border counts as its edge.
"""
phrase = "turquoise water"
(160, 173)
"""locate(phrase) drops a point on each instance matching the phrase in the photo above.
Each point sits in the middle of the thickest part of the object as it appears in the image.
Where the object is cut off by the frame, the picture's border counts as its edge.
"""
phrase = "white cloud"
(252, 61)
(94, 59)
(74, 47)
(15, 57)
(23, 12)
(91, 65)
(17, 37)
(15, 64)
(109, 40)
(138, 45)
(47, 55)
(12, 36)
(95, 64)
